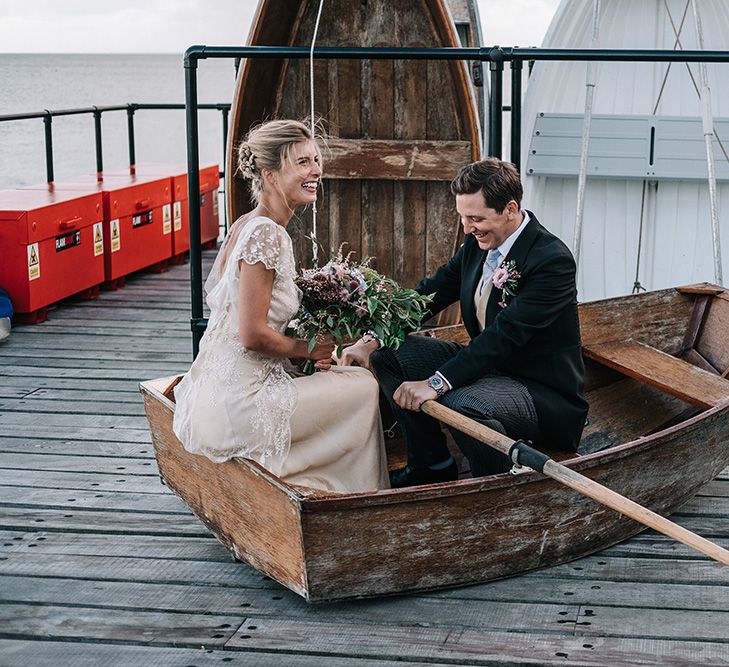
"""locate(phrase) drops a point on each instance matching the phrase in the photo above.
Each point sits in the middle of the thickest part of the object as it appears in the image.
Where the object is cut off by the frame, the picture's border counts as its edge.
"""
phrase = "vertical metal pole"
(590, 82)
(130, 135)
(708, 128)
(226, 111)
(99, 147)
(47, 121)
(193, 198)
(496, 66)
(516, 69)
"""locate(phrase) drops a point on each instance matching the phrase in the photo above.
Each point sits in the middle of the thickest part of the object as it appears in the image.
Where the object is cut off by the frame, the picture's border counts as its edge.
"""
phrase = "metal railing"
(496, 57)
(97, 111)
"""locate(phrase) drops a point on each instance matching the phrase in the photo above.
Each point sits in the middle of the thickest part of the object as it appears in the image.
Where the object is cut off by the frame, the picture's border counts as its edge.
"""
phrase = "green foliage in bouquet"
(344, 299)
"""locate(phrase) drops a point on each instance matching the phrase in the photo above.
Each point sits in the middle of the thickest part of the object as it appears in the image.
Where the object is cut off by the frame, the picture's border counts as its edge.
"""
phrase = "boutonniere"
(506, 278)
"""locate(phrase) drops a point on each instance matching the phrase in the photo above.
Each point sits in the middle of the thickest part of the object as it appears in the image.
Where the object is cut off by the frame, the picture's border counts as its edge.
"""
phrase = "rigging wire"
(677, 43)
(314, 241)
(637, 286)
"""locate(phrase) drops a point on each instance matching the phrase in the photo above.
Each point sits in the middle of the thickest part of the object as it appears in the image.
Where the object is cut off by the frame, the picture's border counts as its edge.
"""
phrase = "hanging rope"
(314, 241)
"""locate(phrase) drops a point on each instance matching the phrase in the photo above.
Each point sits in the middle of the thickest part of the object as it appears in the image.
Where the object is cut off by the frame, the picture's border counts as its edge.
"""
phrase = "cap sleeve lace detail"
(262, 243)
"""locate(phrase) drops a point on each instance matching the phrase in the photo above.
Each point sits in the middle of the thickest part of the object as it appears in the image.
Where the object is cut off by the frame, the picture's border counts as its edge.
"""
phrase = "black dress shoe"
(410, 476)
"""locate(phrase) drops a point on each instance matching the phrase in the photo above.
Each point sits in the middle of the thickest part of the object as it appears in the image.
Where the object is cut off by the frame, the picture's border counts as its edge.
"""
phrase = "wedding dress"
(321, 430)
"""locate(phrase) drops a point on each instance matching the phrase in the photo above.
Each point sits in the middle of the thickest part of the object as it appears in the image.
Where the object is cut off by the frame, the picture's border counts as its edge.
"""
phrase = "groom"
(522, 372)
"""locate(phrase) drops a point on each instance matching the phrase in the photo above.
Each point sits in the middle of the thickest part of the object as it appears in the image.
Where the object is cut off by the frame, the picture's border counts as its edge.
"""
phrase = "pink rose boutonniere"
(506, 278)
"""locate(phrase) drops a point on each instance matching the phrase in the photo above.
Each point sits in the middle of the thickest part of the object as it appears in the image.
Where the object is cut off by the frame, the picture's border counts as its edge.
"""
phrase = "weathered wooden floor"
(101, 565)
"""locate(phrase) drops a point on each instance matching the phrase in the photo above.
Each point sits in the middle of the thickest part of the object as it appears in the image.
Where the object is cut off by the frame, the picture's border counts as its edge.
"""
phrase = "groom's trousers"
(496, 400)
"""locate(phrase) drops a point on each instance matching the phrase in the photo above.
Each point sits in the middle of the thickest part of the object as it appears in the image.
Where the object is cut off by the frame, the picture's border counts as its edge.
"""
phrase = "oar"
(521, 453)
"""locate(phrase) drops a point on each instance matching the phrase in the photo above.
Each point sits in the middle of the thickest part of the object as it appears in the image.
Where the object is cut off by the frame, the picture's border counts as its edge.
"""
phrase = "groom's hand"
(411, 395)
(358, 354)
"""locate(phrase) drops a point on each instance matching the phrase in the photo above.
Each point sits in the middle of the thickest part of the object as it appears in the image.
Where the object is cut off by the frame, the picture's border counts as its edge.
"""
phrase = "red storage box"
(209, 183)
(51, 246)
(137, 220)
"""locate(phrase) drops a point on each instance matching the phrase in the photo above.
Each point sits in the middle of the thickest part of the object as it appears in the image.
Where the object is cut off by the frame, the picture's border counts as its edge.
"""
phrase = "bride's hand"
(322, 356)
(324, 364)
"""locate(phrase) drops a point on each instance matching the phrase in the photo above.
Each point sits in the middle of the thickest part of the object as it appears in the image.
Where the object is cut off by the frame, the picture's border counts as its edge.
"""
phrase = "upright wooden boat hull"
(331, 546)
(399, 130)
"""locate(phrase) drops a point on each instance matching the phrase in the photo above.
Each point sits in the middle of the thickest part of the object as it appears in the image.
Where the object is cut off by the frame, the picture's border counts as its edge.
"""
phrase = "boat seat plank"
(663, 371)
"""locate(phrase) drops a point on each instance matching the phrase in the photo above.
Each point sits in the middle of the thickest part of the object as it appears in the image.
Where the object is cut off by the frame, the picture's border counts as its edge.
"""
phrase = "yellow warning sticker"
(98, 239)
(33, 262)
(178, 216)
(166, 219)
(115, 236)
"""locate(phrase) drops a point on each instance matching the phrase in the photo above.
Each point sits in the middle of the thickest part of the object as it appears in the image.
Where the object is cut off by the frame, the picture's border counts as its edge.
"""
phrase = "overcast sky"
(170, 26)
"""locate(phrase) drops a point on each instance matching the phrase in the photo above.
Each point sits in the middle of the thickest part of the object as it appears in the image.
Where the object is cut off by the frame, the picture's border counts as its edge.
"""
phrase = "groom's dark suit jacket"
(535, 339)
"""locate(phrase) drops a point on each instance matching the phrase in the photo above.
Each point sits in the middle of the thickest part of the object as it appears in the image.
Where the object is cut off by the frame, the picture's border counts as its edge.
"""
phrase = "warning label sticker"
(115, 237)
(215, 205)
(166, 219)
(178, 216)
(98, 239)
(33, 262)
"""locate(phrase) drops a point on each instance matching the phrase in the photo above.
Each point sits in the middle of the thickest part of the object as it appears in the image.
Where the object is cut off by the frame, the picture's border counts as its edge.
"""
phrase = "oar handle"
(579, 483)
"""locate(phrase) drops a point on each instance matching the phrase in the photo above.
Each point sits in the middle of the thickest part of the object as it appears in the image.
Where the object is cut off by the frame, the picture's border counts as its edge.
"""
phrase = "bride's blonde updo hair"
(267, 146)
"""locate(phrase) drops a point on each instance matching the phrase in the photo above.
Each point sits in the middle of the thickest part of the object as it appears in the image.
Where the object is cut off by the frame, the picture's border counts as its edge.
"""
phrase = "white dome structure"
(646, 202)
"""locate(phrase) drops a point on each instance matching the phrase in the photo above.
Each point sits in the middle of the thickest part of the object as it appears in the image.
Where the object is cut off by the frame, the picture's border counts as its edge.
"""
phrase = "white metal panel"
(623, 146)
(676, 244)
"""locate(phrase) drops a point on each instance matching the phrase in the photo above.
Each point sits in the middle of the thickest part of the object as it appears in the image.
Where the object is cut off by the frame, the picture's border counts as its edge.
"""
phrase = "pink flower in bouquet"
(501, 275)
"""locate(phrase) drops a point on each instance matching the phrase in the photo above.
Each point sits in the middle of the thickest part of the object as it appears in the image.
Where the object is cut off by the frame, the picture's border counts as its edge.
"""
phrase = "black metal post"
(193, 198)
(516, 69)
(496, 65)
(99, 147)
(225, 111)
(130, 135)
(48, 121)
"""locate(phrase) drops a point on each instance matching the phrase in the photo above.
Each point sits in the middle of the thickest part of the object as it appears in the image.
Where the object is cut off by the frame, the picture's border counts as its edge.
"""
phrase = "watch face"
(435, 382)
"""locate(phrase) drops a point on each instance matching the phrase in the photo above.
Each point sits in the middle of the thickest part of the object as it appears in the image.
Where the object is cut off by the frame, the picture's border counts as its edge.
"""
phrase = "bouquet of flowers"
(344, 299)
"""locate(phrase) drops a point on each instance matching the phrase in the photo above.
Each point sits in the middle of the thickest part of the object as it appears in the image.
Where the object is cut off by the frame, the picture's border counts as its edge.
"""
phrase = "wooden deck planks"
(53, 654)
(100, 564)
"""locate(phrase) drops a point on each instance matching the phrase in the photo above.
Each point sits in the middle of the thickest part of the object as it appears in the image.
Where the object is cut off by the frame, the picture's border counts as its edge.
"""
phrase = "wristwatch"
(436, 383)
(370, 337)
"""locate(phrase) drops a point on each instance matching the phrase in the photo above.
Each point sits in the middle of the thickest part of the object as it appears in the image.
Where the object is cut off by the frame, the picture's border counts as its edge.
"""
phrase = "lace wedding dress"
(320, 430)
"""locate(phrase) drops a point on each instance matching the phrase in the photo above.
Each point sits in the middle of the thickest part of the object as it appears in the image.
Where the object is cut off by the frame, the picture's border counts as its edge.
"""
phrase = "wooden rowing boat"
(399, 130)
(658, 430)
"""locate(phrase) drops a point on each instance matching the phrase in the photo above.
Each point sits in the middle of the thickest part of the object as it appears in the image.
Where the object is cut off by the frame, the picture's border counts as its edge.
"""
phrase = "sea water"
(34, 82)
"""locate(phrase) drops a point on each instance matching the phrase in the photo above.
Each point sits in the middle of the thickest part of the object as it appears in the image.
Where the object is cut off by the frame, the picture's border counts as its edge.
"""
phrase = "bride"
(241, 397)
